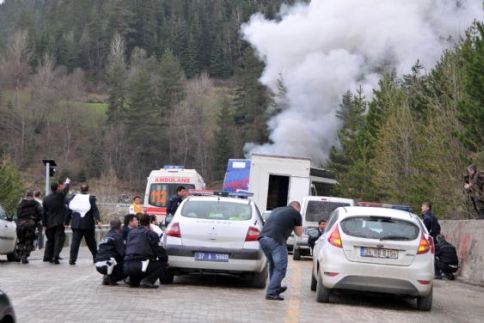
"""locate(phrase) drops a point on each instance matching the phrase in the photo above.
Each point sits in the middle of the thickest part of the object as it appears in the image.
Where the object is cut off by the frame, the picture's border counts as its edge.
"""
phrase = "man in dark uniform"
(281, 223)
(130, 222)
(85, 215)
(430, 220)
(109, 257)
(446, 260)
(29, 214)
(53, 217)
(145, 261)
(175, 201)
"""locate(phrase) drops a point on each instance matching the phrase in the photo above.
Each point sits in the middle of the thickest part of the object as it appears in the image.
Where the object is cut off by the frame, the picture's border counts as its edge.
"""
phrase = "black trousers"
(443, 268)
(155, 269)
(116, 275)
(26, 237)
(90, 237)
(55, 242)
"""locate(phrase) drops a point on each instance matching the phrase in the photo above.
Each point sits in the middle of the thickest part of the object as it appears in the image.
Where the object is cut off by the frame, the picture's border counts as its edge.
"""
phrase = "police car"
(8, 236)
(374, 248)
(217, 234)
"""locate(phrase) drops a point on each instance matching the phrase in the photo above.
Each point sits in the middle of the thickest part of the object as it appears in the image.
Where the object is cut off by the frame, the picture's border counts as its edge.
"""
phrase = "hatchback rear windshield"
(320, 210)
(217, 210)
(377, 227)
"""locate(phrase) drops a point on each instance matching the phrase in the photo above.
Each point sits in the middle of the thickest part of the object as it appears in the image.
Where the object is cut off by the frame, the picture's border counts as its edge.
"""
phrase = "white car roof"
(329, 199)
(349, 211)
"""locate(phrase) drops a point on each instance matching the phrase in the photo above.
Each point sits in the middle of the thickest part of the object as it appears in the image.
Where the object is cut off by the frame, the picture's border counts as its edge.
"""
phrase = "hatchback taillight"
(335, 238)
(173, 230)
(424, 245)
(252, 234)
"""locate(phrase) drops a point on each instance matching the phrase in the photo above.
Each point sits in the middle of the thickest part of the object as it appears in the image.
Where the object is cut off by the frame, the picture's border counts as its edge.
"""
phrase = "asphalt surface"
(42, 292)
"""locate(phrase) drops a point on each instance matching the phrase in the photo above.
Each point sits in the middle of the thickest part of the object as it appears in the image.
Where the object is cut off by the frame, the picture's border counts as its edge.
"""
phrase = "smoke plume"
(322, 49)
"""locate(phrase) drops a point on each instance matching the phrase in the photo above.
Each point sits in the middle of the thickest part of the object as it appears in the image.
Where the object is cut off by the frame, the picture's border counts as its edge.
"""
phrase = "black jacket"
(112, 245)
(446, 253)
(173, 204)
(89, 220)
(432, 224)
(143, 244)
(29, 209)
(55, 208)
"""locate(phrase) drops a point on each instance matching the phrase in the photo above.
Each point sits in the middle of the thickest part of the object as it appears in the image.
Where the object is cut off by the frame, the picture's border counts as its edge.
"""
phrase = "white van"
(162, 184)
(314, 209)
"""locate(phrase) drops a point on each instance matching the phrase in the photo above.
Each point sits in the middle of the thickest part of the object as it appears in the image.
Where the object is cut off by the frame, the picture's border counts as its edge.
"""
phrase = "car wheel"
(424, 303)
(167, 277)
(296, 254)
(259, 279)
(12, 256)
(314, 282)
(322, 293)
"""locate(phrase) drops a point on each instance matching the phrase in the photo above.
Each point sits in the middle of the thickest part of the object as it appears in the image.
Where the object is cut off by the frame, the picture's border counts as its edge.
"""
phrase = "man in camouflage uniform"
(474, 187)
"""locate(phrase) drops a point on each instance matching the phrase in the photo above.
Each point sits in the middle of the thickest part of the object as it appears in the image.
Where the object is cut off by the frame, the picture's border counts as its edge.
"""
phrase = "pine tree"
(223, 149)
(116, 76)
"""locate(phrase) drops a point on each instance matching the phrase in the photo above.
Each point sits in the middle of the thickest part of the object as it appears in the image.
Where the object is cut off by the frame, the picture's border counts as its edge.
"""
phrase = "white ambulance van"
(162, 184)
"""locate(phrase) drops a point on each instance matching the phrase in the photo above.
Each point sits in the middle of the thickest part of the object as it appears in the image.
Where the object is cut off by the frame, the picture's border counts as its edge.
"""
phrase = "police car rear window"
(217, 210)
(378, 227)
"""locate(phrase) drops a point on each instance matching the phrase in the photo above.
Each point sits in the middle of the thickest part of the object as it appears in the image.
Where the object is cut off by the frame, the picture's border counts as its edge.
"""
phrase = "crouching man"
(446, 260)
(145, 261)
(110, 254)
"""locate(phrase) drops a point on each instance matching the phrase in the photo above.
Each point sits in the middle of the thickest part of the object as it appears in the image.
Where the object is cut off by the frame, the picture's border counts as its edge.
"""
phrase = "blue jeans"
(276, 255)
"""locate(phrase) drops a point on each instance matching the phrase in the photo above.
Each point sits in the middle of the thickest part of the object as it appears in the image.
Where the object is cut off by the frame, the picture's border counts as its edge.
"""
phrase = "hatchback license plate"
(379, 253)
(211, 256)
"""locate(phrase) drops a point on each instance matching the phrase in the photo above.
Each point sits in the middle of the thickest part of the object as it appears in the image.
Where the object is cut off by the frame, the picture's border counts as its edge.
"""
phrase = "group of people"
(53, 214)
(133, 252)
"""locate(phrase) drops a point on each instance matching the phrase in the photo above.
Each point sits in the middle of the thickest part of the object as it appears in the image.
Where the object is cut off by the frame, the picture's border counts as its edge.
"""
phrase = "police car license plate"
(379, 253)
(211, 256)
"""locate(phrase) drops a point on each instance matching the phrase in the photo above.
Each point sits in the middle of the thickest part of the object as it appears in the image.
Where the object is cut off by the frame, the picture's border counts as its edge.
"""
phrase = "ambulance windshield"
(161, 193)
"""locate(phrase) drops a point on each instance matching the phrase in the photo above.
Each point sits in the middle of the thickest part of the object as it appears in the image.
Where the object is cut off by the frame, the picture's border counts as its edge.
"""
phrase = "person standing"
(430, 220)
(29, 214)
(109, 257)
(53, 217)
(136, 207)
(273, 237)
(40, 231)
(84, 215)
(474, 187)
(175, 201)
(145, 261)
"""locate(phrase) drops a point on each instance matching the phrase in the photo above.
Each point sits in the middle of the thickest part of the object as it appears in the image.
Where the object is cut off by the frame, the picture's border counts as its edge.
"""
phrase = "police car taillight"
(252, 234)
(173, 230)
(424, 245)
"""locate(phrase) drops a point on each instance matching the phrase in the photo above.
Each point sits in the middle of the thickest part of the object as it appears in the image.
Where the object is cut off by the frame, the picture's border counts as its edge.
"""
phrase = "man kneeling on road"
(145, 259)
(281, 223)
(109, 257)
(446, 260)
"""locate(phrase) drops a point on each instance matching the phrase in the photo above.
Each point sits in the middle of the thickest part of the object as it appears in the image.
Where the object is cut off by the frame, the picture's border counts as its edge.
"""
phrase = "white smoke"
(326, 47)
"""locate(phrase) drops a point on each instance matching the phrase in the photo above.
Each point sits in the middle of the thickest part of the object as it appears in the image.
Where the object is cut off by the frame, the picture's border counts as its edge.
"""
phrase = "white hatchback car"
(8, 236)
(374, 249)
(219, 235)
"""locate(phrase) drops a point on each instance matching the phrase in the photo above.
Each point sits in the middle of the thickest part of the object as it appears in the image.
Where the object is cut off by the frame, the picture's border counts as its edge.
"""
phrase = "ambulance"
(162, 184)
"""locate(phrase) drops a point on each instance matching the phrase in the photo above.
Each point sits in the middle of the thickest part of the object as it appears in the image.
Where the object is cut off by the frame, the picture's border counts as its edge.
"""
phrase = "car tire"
(259, 280)
(322, 293)
(314, 282)
(167, 277)
(12, 256)
(296, 254)
(424, 303)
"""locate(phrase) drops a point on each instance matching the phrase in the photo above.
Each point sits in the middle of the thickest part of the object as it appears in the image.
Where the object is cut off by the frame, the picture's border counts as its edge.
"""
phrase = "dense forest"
(112, 89)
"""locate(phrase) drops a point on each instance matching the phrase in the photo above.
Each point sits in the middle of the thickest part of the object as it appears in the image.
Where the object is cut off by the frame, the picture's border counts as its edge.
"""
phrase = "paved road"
(42, 292)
